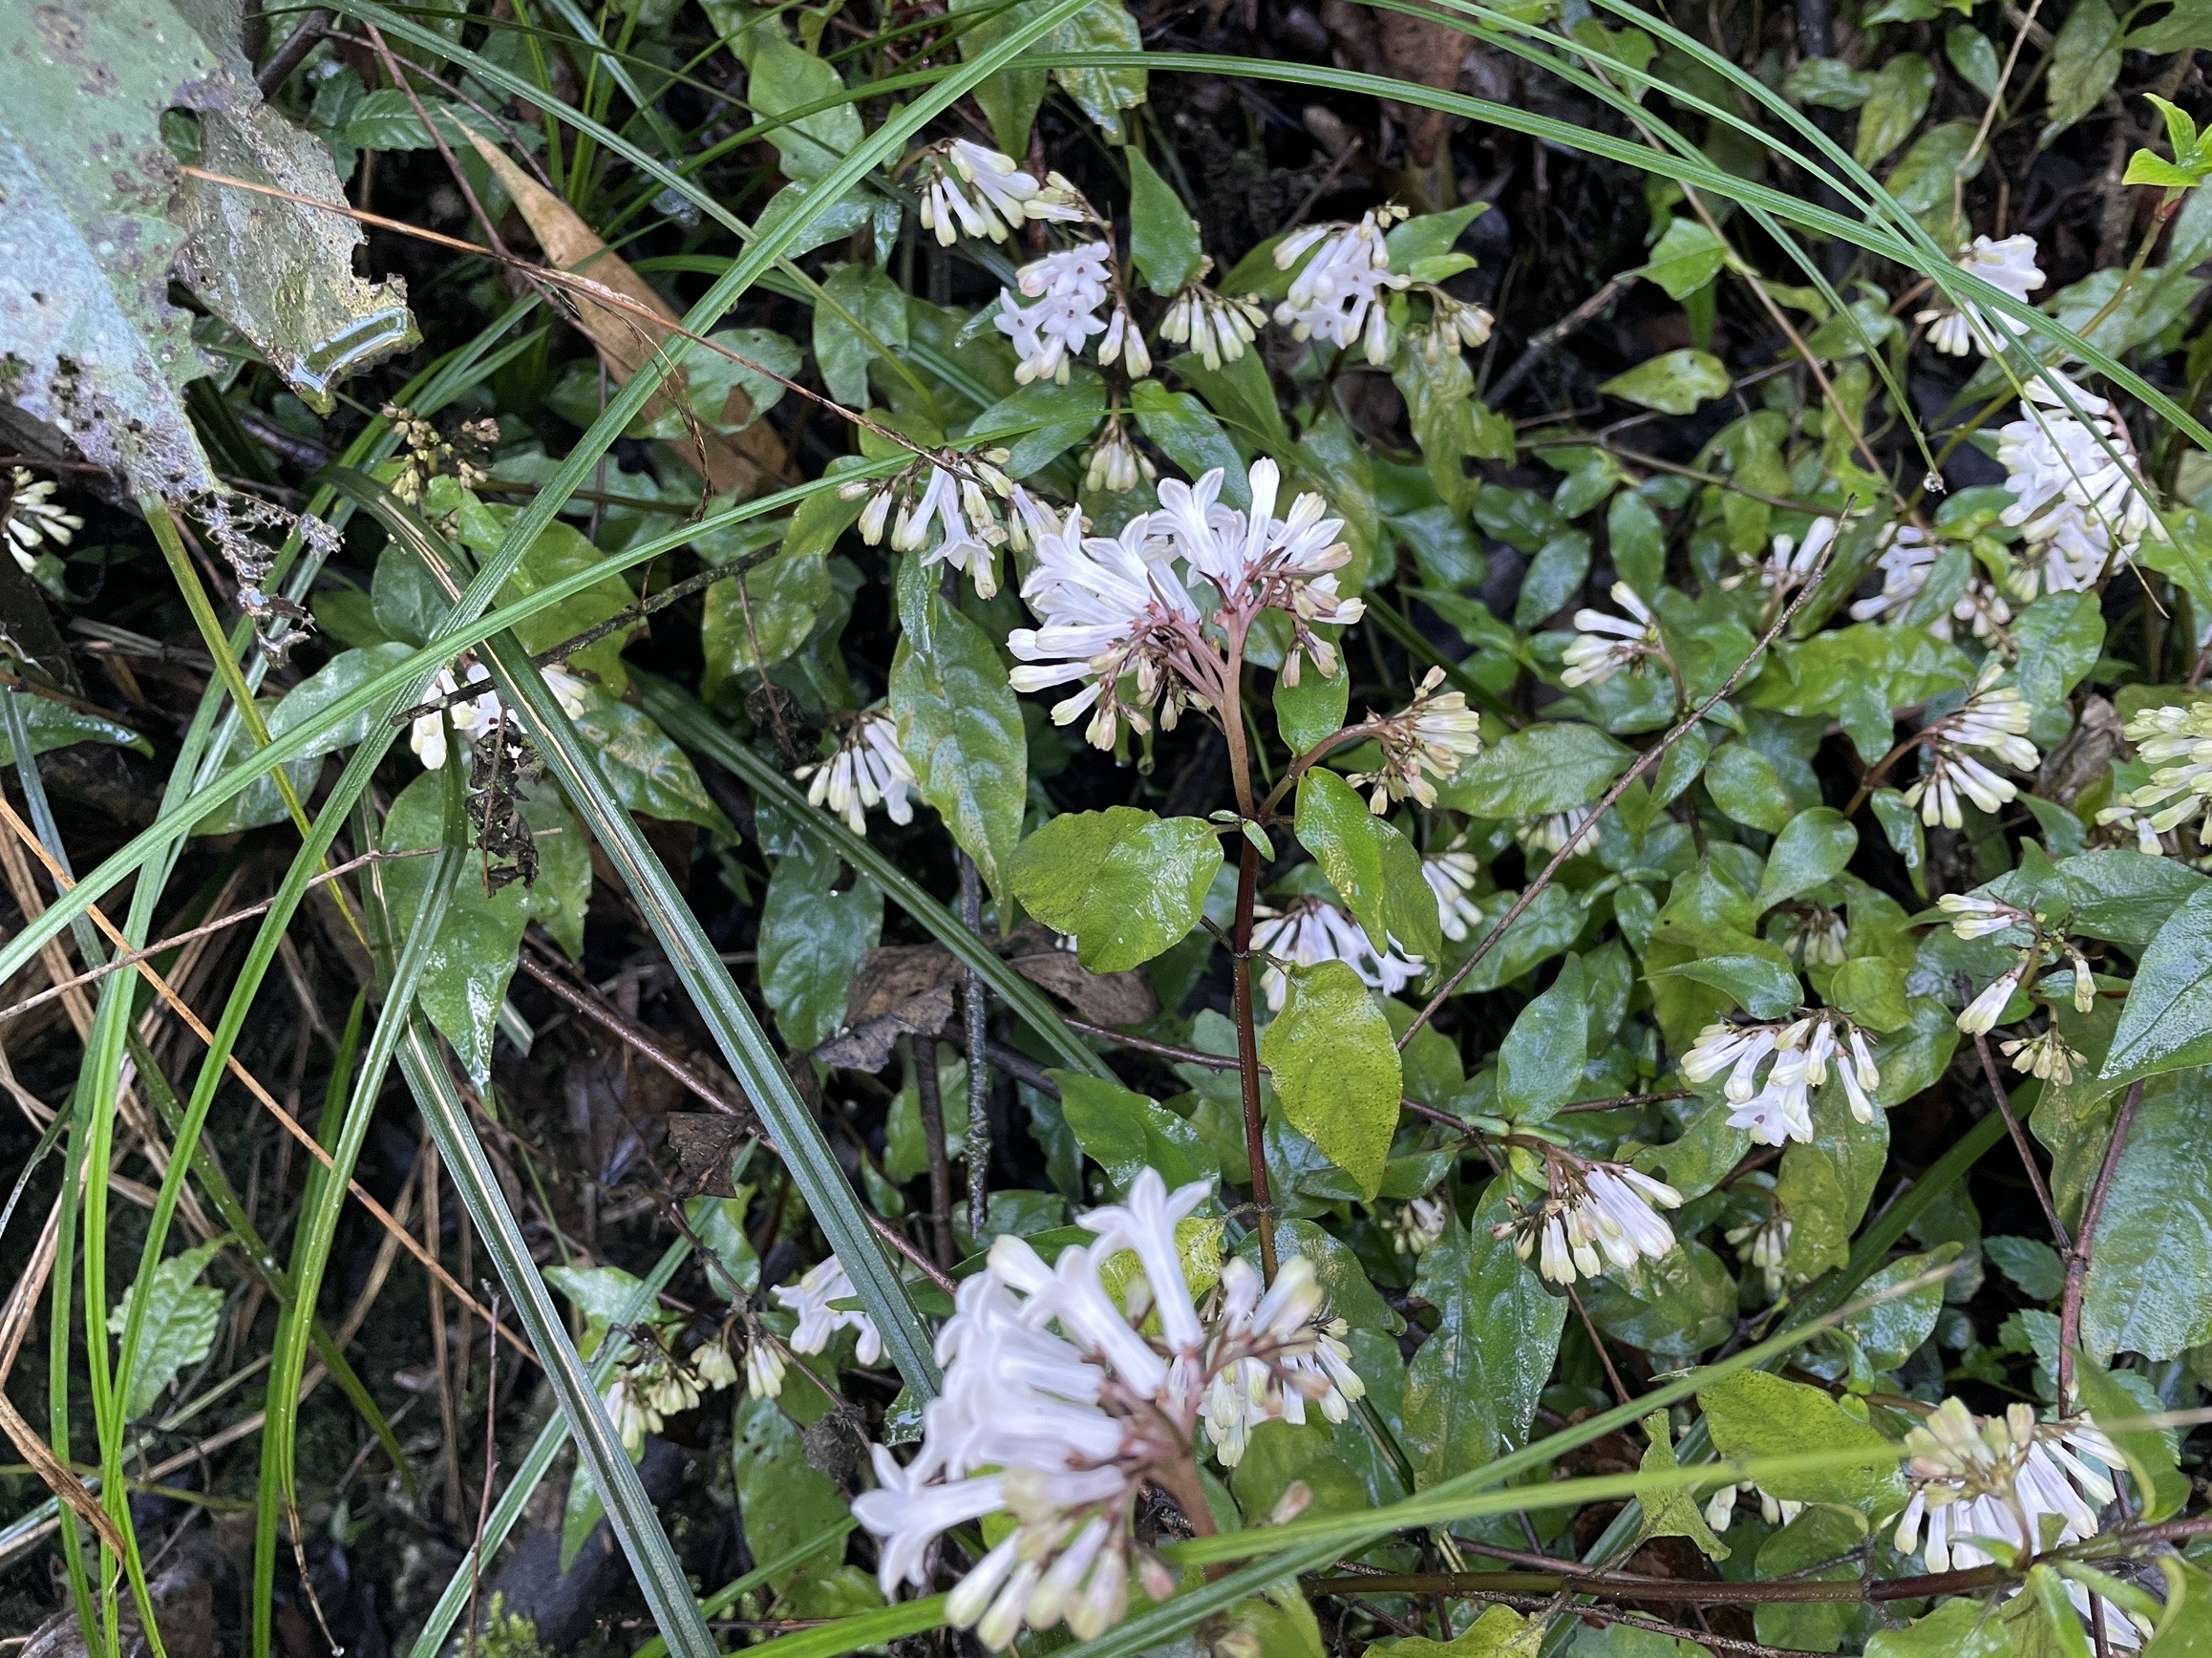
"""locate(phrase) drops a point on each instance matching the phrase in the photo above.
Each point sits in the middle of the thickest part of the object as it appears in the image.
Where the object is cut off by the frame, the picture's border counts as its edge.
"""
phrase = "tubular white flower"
(1116, 465)
(1338, 295)
(1974, 916)
(2176, 740)
(1778, 1108)
(1994, 719)
(1606, 645)
(1069, 286)
(712, 1365)
(2048, 1056)
(2009, 265)
(1764, 1245)
(1597, 1215)
(1452, 876)
(868, 770)
(1979, 1017)
(949, 507)
(30, 519)
(1308, 930)
(475, 716)
(1432, 737)
(1554, 830)
(974, 188)
(2074, 486)
(1218, 327)
(764, 1369)
(819, 1320)
(1788, 562)
(1416, 1224)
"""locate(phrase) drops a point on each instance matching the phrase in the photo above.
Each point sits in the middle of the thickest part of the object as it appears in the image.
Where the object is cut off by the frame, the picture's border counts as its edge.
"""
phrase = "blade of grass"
(728, 1595)
(684, 717)
(317, 1226)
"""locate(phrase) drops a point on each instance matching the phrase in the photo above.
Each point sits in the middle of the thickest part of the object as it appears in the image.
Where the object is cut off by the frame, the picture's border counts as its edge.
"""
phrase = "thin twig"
(933, 1139)
(978, 1061)
(1645, 761)
(1540, 344)
(2084, 1239)
(2012, 1127)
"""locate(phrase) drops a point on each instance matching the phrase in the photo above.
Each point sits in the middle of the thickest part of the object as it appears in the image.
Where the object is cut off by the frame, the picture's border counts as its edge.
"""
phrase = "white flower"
(1338, 296)
(974, 188)
(1308, 930)
(1058, 1409)
(868, 770)
(31, 518)
(1797, 1056)
(1416, 1225)
(2000, 1477)
(948, 510)
(1604, 644)
(1908, 555)
(1070, 287)
(2009, 265)
(1764, 1245)
(1254, 559)
(1124, 343)
(1451, 876)
(1116, 463)
(1434, 737)
(1979, 1017)
(2047, 1055)
(1453, 324)
(819, 1320)
(764, 1368)
(1216, 326)
(1554, 830)
(711, 1363)
(1994, 719)
(1978, 918)
(2074, 486)
(1819, 937)
(474, 716)
(2127, 822)
(1117, 621)
(2176, 740)
(1598, 1214)
(629, 1403)
(1788, 563)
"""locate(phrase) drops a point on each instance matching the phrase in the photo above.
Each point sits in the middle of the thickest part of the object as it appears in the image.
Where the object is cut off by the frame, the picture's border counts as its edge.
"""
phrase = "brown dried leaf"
(705, 1144)
(867, 1046)
(2085, 756)
(1100, 998)
(1428, 52)
(753, 460)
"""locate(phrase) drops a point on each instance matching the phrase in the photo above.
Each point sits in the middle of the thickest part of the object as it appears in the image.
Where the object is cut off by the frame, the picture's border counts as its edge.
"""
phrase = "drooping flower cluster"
(1788, 563)
(1975, 916)
(1217, 326)
(1070, 287)
(2001, 1478)
(1720, 1506)
(1450, 877)
(1338, 296)
(1434, 737)
(2075, 483)
(1594, 1216)
(429, 454)
(30, 519)
(814, 1299)
(1061, 1406)
(1994, 719)
(1606, 645)
(868, 770)
(974, 188)
(1552, 831)
(657, 1384)
(2176, 741)
(1454, 324)
(1764, 1245)
(474, 716)
(2007, 266)
(1796, 1056)
(952, 509)
(1416, 1225)
(1906, 559)
(1308, 930)
(1123, 616)
(1116, 463)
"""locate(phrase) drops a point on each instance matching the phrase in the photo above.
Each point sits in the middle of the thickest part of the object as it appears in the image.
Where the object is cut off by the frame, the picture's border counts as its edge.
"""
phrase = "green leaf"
(1975, 59)
(260, 803)
(781, 78)
(1190, 434)
(2084, 60)
(1932, 169)
(1673, 1307)
(783, 600)
(1539, 770)
(2160, 1487)
(1889, 1334)
(2150, 1265)
(783, 1502)
(962, 730)
(1670, 1510)
(2166, 1022)
(1957, 1628)
(2029, 1262)
(812, 940)
(1500, 1632)
(1124, 1132)
(1826, 1181)
(1473, 1387)
(1312, 711)
(1041, 421)
(1745, 784)
(2188, 23)
(1829, 83)
(1814, 1547)
(1687, 257)
(1637, 543)
(1674, 382)
(1373, 868)
(2060, 637)
(1163, 239)
(179, 1329)
(1755, 1416)
(1810, 851)
(1540, 1066)
(1895, 102)
(1336, 1070)
(1762, 987)
(1554, 576)
(874, 301)
(465, 976)
(1125, 885)
(2145, 169)
(560, 551)
(649, 774)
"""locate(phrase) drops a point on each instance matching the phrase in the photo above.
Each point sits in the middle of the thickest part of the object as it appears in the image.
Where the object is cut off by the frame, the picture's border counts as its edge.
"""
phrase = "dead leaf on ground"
(867, 1046)
(705, 1144)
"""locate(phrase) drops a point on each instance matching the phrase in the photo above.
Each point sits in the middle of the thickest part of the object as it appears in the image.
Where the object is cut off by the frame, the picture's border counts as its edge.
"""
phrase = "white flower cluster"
(1604, 644)
(1416, 1224)
(974, 188)
(1975, 917)
(1120, 619)
(1060, 1406)
(1217, 326)
(1434, 737)
(1907, 556)
(1720, 1506)
(30, 519)
(952, 509)
(1309, 930)
(2007, 266)
(2176, 741)
(1338, 296)
(1764, 1245)
(658, 1384)
(1116, 463)
(1788, 564)
(2075, 484)
(1552, 831)
(1069, 286)
(473, 716)
(813, 1298)
(1597, 1215)
(868, 770)
(1450, 877)
(1994, 719)
(1796, 1056)
(2000, 1479)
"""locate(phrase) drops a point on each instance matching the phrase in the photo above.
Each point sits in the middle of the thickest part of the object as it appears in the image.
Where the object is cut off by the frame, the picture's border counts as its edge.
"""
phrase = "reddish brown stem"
(1249, 1053)
(2077, 1257)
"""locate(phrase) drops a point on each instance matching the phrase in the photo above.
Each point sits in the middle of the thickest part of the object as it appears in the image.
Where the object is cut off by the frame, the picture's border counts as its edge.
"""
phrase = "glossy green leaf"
(1539, 770)
(1752, 1415)
(1672, 383)
(1163, 238)
(813, 936)
(1540, 1066)
(179, 1325)
(1810, 851)
(1125, 1133)
(1125, 885)
(2150, 1270)
(1336, 1068)
(1373, 868)
(960, 728)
